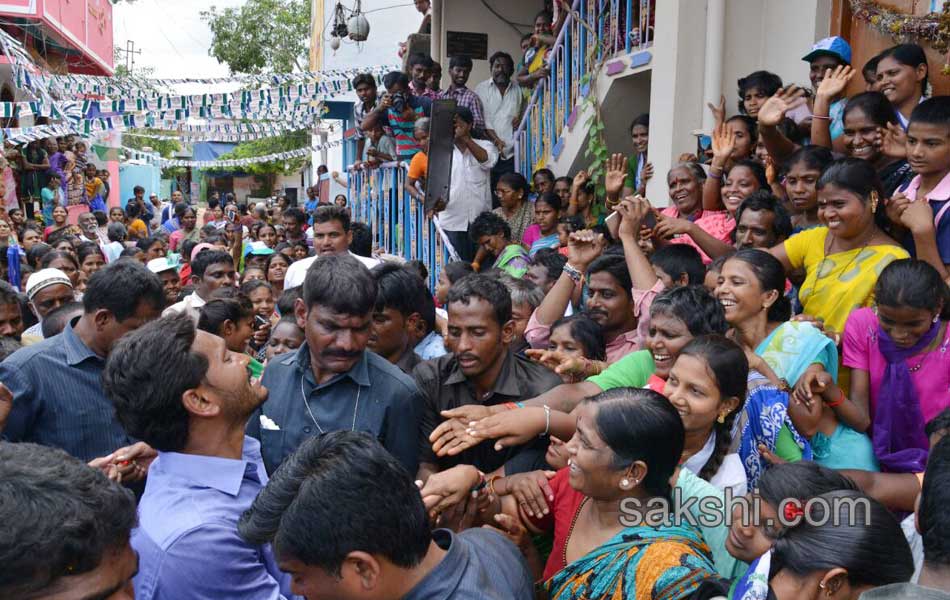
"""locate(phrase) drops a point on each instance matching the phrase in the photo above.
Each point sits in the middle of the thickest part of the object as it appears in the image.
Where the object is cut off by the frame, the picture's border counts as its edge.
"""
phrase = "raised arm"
(833, 84)
(771, 115)
(723, 145)
(632, 212)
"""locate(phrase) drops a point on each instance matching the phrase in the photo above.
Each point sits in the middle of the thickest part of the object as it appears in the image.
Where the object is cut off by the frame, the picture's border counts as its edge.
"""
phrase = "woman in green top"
(493, 234)
(676, 317)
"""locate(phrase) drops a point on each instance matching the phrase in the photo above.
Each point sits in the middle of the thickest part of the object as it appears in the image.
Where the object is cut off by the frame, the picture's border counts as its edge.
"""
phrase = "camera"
(399, 102)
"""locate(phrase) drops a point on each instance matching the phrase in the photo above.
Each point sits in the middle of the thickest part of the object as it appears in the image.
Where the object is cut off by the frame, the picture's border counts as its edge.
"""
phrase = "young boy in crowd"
(928, 152)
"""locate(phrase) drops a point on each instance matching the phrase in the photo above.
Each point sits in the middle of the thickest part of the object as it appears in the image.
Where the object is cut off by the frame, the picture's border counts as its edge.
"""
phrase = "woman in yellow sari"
(844, 257)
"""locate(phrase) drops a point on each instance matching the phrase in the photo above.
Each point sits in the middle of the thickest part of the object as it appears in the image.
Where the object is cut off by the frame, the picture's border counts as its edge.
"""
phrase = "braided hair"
(730, 368)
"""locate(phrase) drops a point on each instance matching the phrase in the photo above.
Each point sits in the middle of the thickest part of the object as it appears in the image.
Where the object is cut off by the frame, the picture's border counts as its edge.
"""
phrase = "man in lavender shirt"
(193, 411)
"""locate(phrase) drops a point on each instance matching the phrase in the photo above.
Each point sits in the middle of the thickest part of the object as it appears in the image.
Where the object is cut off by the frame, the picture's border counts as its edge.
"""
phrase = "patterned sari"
(639, 563)
(765, 420)
(513, 260)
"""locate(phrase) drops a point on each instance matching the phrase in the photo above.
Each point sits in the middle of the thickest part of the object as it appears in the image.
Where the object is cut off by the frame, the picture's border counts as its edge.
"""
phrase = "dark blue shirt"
(478, 563)
(374, 396)
(58, 398)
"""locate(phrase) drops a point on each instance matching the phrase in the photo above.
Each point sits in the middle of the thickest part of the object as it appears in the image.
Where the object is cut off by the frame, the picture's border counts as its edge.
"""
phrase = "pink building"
(73, 35)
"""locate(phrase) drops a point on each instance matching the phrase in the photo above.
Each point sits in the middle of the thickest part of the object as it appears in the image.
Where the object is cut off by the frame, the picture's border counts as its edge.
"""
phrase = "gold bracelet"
(491, 484)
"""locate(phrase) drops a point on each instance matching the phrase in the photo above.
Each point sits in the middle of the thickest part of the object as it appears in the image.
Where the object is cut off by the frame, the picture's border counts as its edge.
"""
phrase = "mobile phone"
(259, 322)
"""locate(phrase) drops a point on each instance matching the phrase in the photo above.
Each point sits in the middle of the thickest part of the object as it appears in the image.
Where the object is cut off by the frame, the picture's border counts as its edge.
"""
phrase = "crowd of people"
(744, 394)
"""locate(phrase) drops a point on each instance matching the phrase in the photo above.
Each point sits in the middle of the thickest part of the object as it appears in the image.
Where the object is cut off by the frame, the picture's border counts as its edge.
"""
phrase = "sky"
(175, 41)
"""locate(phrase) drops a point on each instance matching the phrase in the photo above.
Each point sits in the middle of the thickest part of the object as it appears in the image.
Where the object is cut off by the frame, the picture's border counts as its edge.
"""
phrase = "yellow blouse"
(838, 283)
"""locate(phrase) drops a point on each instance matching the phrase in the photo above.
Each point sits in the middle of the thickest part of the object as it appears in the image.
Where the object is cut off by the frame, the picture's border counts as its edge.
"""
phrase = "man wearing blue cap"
(826, 54)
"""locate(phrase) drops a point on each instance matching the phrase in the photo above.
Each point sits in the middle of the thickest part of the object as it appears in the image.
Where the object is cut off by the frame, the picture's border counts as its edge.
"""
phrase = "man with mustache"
(480, 369)
(610, 300)
(502, 99)
(332, 382)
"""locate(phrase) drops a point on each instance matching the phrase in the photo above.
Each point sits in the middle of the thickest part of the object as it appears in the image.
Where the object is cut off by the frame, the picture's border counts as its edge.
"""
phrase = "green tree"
(262, 36)
(160, 143)
(266, 172)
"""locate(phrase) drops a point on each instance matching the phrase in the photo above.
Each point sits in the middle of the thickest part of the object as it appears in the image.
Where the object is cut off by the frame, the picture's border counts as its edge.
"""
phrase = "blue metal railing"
(622, 27)
(378, 198)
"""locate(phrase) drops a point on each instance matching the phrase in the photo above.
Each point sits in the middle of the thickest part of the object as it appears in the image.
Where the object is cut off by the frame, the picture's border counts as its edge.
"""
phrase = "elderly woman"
(627, 445)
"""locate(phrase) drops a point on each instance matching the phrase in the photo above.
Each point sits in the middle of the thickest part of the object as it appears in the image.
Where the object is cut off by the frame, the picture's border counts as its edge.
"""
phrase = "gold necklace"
(834, 238)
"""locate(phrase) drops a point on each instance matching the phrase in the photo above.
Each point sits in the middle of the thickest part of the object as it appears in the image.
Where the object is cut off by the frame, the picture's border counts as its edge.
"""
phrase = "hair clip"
(793, 510)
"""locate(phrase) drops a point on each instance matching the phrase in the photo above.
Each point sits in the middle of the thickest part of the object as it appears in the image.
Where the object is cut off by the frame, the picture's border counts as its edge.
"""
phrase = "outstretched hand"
(583, 247)
(835, 81)
(616, 174)
(718, 110)
(775, 108)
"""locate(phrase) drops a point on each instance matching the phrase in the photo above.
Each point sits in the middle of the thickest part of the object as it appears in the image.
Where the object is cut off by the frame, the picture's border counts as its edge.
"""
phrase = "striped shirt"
(402, 128)
(58, 398)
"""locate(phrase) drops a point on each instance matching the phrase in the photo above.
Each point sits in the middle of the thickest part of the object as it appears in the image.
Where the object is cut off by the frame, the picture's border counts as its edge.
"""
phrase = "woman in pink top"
(686, 211)
(899, 360)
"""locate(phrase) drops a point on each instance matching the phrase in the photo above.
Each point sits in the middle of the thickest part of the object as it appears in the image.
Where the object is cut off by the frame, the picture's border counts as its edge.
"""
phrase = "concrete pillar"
(436, 41)
(715, 30)
(676, 91)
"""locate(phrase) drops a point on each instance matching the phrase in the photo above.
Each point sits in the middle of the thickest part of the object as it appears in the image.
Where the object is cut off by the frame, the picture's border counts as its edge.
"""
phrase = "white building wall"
(759, 34)
(472, 16)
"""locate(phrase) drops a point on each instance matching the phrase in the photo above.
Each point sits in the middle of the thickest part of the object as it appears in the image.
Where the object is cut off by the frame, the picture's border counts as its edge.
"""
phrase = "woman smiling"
(751, 288)
(842, 258)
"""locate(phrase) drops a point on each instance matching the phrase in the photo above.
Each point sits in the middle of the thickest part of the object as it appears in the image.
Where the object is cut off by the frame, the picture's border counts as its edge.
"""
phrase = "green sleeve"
(633, 370)
(785, 446)
(631, 179)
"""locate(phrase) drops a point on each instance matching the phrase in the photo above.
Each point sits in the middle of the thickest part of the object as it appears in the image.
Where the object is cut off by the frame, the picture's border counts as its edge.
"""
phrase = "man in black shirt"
(480, 369)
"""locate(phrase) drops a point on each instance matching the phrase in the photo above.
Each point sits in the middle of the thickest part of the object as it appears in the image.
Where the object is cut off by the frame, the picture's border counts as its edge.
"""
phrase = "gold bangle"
(491, 484)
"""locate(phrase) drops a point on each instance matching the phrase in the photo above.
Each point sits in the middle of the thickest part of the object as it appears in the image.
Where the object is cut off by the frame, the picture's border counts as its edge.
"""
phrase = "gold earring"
(721, 419)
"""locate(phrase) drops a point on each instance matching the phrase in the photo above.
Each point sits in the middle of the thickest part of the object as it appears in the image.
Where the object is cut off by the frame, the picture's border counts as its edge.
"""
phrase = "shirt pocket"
(272, 448)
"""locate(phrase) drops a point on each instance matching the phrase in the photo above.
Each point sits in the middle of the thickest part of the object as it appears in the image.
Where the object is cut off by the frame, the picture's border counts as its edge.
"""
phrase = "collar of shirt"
(76, 350)
(223, 474)
(442, 581)
(505, 385)
(623, 344)
(300, 359)
(941, 192)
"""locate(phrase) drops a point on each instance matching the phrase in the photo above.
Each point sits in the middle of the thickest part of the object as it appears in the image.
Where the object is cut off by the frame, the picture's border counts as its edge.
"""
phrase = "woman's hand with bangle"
(531, 490)
(510, 428)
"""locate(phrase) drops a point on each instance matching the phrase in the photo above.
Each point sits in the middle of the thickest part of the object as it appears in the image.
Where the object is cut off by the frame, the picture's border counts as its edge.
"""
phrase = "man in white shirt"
(469, 192)
(210, 270)
(331, 235)
(502, 100)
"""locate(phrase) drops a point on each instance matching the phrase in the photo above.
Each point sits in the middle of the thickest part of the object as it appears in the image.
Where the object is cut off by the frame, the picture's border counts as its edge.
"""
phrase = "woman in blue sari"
(751, 290)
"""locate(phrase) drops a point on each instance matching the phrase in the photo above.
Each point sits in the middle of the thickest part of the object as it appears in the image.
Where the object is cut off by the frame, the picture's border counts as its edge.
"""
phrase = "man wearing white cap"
(167, 270)
(825, 55)
(47, 290)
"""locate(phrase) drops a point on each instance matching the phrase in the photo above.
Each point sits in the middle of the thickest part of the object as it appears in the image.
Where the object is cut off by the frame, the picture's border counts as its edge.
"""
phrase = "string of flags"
(266, 105)
(150, 88)
(235, 162)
